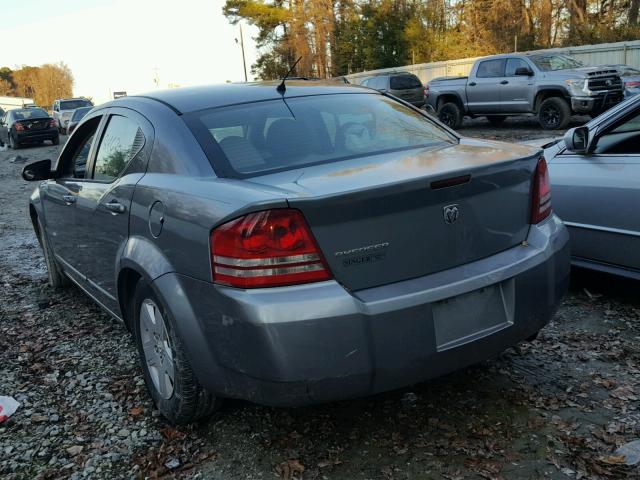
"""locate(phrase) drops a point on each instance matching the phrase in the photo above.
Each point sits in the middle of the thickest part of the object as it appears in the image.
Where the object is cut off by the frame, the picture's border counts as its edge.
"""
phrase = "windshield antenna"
(282, 87)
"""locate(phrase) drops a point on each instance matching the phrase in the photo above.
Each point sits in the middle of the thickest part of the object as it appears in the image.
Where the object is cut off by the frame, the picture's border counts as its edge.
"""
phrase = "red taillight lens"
(19, 127)
(426, 90)
(266, 249)
(52, 123)
(541, 197)
(632, 84)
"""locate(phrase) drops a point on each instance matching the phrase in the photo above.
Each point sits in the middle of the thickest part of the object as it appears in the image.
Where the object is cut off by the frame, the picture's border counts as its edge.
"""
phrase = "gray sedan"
(298, 243)
(595, 176)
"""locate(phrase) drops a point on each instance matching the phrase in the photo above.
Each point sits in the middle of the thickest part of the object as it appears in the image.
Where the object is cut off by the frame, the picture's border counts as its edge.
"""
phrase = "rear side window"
(122, 140)
(405, 82)
(491, 68)
(257, 138)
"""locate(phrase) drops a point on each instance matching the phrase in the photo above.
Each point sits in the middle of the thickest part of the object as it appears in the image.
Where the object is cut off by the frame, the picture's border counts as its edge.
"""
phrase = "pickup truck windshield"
(257, 138)
(73, 104)
(555, 62)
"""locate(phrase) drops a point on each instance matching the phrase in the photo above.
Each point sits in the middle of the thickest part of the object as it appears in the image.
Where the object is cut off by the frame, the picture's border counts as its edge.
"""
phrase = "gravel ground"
(554, 408)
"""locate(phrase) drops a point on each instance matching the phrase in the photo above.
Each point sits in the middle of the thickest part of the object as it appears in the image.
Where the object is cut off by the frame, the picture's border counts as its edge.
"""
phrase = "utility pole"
(156, 77)
(244, 63)
(515, 42)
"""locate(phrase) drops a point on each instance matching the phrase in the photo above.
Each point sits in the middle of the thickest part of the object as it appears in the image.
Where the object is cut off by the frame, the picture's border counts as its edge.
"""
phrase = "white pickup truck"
(63, 108)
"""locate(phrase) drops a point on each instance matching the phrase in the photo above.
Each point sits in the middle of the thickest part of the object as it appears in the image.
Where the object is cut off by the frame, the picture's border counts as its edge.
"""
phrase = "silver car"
(595, 176)
(298, 244)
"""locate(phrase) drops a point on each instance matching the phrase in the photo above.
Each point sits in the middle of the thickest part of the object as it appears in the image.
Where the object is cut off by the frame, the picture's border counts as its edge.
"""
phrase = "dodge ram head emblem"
(451, 214)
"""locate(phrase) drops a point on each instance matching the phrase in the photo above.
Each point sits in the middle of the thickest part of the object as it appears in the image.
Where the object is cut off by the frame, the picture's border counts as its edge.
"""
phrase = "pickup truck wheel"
(450, 114)
(554, 114)
(167, 372)
(496, 119)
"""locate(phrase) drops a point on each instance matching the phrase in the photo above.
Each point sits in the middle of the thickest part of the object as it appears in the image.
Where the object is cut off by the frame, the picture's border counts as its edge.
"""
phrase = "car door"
(59, 197)
(102, 210)
(484, 86)
(597, 195)
(514, 95)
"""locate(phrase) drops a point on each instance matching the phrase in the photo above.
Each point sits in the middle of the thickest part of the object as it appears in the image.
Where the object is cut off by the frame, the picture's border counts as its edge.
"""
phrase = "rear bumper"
(318, 342)
(36, 136)
(596, 104)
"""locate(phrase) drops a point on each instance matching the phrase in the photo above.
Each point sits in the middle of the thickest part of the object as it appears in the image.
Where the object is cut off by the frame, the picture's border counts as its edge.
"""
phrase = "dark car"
(78, 114)
(28, 126)
(298, 245)
(403, 85)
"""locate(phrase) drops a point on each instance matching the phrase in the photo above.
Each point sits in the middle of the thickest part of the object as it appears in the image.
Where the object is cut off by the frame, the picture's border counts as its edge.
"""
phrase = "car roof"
(189, 99)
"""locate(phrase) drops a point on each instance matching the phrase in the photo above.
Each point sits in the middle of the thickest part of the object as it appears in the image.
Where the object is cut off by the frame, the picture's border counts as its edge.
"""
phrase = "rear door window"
(121, 142)
(405, 82)
(491, 68)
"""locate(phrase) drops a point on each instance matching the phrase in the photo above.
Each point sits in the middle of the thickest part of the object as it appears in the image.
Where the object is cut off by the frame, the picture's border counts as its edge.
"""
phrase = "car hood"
(583, 72)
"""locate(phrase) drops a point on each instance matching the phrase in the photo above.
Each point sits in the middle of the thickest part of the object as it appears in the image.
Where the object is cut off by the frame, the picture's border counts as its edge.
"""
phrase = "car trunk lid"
(393, 217)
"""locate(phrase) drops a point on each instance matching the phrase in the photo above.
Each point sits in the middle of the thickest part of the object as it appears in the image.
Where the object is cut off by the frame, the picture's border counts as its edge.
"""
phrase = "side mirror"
(577, 140)
(523, 71)
(36, 171)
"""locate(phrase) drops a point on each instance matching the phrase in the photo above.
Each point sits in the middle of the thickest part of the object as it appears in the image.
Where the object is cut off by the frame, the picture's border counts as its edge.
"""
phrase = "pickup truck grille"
(611, 82)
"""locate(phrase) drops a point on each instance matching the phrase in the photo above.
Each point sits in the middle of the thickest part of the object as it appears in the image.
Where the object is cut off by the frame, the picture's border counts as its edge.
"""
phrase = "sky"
(123, 45)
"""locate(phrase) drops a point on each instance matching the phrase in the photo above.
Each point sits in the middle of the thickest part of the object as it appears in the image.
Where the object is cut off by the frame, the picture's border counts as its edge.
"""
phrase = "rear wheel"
(496, 119)
(12, 142)
(55, 140)
(167, 372)
(57, 278)
(554, 114)
(450, 114)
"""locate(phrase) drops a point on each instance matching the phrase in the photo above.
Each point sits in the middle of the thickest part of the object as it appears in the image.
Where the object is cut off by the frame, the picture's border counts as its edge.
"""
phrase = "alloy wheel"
(159, 358)
(550, 116)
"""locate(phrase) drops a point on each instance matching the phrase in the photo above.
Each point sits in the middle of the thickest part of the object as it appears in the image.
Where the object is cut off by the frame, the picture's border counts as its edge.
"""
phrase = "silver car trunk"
(398, 216)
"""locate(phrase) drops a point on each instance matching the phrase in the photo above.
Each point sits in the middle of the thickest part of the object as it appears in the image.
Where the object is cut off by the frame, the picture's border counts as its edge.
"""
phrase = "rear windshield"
(73, 104)
(404, 82)
(28, 113)
(257, 138)
(80, 113)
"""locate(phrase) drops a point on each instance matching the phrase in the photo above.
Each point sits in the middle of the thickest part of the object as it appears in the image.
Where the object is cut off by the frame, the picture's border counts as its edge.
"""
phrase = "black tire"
(188, 401)
(57, 278)
(450, 114)
(55, 140)
(554, 113)
(12, 143)
(496, 119)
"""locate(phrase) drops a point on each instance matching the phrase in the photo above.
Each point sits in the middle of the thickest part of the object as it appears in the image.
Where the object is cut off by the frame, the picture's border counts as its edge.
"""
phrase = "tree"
(44, 84)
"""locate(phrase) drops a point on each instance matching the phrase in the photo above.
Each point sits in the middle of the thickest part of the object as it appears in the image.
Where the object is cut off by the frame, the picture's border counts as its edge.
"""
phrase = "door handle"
(69, 199)
(115, 207)
(504, 82)
(472, 84)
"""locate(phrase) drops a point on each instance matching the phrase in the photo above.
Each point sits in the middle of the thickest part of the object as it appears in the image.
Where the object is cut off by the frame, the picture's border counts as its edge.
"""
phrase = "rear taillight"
(19, 127)
(266, 249)
(426, 91)
(632, 84)
(52, 123)
(541, 197)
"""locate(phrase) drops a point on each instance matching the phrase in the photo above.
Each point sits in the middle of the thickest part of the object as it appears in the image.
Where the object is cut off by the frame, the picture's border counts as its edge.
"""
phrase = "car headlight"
(577, 86)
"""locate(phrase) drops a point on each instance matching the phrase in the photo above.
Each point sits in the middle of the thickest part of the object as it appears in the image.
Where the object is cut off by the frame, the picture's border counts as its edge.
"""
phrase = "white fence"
(602, 54)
